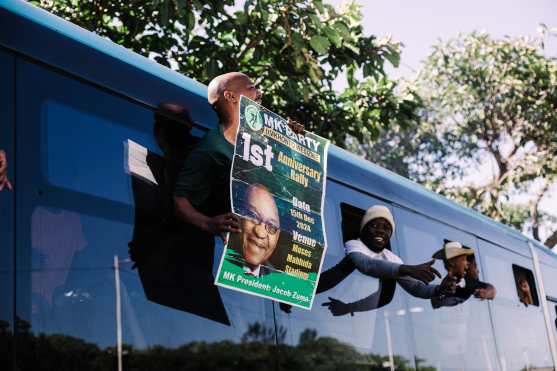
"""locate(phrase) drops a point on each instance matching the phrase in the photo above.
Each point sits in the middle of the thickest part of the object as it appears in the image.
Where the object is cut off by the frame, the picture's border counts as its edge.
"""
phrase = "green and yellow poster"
(277, 190)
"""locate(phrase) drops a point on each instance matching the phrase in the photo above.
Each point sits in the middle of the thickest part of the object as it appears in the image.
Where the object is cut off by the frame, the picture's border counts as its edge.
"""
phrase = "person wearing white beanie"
(376, 212)
(371, 255)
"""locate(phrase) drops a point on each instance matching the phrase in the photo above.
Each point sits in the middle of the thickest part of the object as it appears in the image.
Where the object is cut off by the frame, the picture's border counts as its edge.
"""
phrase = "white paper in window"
(136, 161)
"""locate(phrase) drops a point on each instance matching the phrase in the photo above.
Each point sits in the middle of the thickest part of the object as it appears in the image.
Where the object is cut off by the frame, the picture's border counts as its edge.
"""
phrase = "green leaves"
(298, 40)
(342, 29)
(296, 49)
(320, 44)
(491, 103)
(393, 57)
(333, 36)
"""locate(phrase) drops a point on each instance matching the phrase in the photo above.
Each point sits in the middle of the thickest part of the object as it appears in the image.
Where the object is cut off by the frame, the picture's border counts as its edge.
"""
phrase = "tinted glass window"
(7, 212)
(79, 205)
(549, 274)
(457, 332)
(520, 330)
(334, 338)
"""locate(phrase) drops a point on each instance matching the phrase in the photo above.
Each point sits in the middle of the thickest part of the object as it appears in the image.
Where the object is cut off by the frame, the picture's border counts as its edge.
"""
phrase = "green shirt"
(205, 177)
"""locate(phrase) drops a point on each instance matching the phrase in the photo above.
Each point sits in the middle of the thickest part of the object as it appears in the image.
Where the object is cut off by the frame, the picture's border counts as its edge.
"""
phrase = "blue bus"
(75, 108)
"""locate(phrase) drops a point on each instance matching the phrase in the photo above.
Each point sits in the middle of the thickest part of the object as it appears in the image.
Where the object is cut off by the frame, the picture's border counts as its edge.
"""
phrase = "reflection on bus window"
(172, 272)
(53, 253)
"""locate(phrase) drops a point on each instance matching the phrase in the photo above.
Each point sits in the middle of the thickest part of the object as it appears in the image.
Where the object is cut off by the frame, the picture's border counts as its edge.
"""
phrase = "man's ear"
(230, 96)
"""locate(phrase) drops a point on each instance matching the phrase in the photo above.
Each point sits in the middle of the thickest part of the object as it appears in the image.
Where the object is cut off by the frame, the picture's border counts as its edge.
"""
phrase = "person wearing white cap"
(461, 267)
(454, 258)
(372, 256)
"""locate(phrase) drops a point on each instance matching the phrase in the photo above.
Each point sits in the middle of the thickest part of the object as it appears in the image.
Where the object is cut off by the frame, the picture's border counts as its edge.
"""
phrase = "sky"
(421, 24)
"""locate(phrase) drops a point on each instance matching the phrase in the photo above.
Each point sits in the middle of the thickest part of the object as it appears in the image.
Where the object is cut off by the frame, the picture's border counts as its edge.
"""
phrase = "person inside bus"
(4, 181)
(462, 270)
(371, 255)
(259, 234)
(454, 258)
(202, 191)
(524, 291)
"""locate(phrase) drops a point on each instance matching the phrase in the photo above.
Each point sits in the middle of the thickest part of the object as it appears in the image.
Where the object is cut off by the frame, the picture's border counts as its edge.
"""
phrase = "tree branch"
(551, 241)
(534, 210)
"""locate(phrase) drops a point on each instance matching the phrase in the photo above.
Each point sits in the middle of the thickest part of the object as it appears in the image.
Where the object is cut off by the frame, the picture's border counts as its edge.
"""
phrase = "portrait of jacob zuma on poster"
(263, 246)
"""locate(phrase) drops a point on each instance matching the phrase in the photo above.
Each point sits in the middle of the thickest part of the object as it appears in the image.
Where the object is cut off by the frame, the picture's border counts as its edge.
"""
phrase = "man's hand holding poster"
(277, 189)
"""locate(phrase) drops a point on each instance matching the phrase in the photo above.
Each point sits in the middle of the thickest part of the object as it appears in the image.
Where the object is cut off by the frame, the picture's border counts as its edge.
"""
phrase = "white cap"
(375, 212)
(451, 250)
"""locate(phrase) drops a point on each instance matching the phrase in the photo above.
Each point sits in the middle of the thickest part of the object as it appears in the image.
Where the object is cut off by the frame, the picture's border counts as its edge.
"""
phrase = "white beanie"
(378, 211)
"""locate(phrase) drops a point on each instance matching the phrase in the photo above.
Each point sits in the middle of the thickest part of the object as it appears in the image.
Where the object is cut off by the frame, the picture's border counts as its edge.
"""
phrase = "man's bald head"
(227, 81)
(224, 93)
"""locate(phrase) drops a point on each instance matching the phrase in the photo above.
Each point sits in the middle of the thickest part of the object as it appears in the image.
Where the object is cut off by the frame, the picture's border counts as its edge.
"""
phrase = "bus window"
(77, 209)
(522, 345)
(525, 286)
(459, 334)
(341, 340)
(351, 217)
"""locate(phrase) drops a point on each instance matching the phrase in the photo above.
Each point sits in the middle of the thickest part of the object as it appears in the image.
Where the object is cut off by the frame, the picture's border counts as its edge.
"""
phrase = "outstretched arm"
(422, 290)
(329, 279)
(339, 308)
(379, 268)
(488, 292)
(418, 288)
(334, 275)
(446, 301)
(374, 267)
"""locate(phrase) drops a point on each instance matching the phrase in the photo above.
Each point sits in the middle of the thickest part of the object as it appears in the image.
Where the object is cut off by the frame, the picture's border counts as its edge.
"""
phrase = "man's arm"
(334, 275)
(486, 293)
(374, 267)
(339, 308)
(422, 290)
(379, 268)
(218, 225)
(418, 288)
(446, 301)
(194, 182)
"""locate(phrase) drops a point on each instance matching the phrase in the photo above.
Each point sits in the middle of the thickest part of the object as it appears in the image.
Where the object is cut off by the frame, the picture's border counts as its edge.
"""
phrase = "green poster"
(277, 189)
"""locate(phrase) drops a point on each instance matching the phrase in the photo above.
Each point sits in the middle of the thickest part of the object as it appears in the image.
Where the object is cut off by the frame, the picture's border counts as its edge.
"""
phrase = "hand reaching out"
(337, 307)
(487, 293)
(296, 126)
(423, 272)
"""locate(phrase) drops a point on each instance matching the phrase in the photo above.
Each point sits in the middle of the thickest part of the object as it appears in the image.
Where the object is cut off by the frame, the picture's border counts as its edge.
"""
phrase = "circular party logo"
(253, 117)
